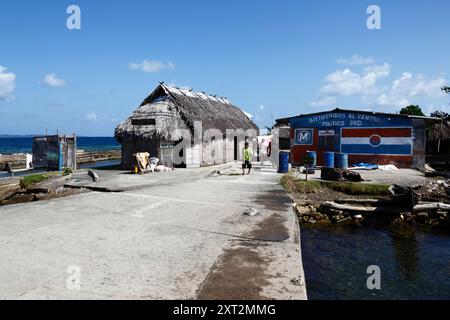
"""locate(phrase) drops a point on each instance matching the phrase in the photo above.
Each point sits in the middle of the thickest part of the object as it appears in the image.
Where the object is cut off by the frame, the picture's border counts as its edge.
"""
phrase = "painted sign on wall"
(326, 133)
(304, 137)
(349, 119)
(388, 141)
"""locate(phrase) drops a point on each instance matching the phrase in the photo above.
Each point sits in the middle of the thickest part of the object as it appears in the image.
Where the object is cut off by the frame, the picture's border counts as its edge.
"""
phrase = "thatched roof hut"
(167, 109)
(439, 137)
(172, 108)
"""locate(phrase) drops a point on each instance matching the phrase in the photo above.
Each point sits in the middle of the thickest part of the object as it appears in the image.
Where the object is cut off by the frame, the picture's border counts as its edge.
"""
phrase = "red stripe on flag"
(382, 132)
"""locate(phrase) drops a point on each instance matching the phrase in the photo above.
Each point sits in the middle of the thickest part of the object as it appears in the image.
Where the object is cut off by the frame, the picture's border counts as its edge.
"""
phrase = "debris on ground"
(93, 175)
(153, 163)
(162, 168)
(403, 197)
(251, 212)
(298, 281)
(364, 166)
(387, 167)
(227, 172)
(434, 190)
(142, 162)
(436, 170)
(335, 174)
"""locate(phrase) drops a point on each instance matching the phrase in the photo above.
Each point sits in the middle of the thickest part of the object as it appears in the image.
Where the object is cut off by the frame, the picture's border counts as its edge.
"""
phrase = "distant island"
(17, 135)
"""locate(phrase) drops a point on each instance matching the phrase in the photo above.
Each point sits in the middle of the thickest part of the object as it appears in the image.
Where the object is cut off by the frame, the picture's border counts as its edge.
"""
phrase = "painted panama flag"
(377, 141)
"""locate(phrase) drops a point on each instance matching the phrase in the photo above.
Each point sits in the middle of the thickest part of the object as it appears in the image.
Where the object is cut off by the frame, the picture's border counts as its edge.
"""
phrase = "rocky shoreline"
(311, 214)
(320, 205)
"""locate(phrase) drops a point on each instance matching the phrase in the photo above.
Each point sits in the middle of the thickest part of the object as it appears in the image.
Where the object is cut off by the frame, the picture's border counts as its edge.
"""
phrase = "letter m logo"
(303, 137)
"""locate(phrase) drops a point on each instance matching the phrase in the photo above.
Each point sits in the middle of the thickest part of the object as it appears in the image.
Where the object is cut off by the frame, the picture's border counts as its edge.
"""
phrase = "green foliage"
(67, 171)
(308, 186)
(440, 114)
(27, 181)
(412, 110)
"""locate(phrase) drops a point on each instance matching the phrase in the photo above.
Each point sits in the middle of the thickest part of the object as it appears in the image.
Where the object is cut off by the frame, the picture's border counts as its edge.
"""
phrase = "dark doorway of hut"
(180, 156)
(235, 149)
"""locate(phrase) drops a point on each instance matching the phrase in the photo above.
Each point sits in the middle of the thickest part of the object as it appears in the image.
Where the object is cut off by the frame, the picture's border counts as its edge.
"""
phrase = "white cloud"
(174, 85)
(52, 80)
(370, 87)
(151, 66)
(92, 116)
(347, 83)
(7, 84)
(324, 102)
(408, 88)
(261, 107)
(356, 60)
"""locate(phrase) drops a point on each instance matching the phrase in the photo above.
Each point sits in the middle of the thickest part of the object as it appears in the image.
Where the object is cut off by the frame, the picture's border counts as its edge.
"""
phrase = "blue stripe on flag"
(382, 149)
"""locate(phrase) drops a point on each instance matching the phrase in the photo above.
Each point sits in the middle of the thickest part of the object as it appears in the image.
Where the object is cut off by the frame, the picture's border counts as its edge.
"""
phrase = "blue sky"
(271, 58)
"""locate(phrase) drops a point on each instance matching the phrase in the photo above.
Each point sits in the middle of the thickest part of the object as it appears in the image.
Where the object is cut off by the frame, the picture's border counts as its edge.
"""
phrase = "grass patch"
(308, 186)
(357, 188)
(292, 185)
(27, 181)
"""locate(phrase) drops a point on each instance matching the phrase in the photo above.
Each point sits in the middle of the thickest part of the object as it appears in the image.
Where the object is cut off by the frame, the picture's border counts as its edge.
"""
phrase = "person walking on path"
(248, 155)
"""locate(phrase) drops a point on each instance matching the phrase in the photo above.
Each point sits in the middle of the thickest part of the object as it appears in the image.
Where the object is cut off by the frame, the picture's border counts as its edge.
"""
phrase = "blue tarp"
(368, 166)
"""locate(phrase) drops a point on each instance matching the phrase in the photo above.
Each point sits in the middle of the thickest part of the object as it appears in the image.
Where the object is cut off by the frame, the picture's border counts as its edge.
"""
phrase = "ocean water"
(413, 264)
(9, 145)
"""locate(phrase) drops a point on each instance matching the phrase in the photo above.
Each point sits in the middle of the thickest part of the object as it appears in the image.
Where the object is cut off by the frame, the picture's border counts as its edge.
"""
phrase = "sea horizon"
(14, 144)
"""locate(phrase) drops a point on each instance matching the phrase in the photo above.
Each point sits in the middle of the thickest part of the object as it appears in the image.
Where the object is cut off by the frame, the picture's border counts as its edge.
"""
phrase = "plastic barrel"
(283, 165)
(328, 159)
(341, 160)
(313, 156)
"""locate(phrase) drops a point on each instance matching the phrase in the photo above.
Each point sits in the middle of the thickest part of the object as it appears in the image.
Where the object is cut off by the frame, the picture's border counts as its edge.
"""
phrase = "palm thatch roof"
(167, 109)
(439, 131)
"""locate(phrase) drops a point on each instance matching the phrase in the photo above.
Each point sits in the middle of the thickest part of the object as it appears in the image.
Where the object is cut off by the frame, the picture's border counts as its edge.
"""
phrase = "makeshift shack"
(280, 140)
(55, 152)
(185, 129)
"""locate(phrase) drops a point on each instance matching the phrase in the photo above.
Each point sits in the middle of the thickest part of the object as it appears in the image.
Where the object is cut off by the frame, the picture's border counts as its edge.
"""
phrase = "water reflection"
(406, 250)
(414, 265)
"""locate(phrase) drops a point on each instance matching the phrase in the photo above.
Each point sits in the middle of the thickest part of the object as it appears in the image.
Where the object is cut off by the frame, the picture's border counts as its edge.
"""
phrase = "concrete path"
(179, 235)
(404, 177)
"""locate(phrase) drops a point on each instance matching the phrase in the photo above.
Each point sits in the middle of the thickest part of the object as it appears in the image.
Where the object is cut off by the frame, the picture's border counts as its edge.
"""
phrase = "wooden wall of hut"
(132, 146)
(217, 151)
(419, 143)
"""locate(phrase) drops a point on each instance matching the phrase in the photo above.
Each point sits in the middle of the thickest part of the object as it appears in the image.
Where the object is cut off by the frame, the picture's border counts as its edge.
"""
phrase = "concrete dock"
(173, 235)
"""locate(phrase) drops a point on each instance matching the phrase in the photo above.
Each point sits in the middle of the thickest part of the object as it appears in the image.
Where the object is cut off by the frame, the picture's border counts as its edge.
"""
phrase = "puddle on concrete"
(273, 228)
(239, 274)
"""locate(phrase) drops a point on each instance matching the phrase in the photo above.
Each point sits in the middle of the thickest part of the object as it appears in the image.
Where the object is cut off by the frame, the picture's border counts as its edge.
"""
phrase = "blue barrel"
(328, 159)
(313, 155)
(283, 164)
(341, 161)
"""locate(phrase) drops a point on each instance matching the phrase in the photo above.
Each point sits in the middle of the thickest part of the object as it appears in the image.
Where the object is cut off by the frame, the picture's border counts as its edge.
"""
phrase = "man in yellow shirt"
(248, 155)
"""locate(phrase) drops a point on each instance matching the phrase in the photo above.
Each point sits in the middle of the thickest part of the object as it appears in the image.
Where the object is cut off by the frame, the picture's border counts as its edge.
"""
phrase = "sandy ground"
(175, 235)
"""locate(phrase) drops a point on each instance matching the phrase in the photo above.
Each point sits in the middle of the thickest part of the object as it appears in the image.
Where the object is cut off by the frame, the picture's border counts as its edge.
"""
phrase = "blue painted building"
(369, 137)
